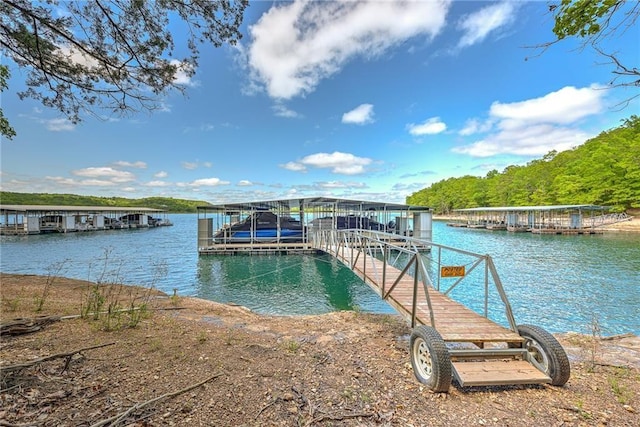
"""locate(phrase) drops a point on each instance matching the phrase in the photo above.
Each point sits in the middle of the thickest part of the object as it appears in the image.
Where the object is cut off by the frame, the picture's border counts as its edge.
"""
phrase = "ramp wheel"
(430, 358)
(546, 353)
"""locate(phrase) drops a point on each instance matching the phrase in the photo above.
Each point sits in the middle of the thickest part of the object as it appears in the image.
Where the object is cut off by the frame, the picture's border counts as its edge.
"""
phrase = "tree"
(596, 21)
(5, 128)
(85, 56)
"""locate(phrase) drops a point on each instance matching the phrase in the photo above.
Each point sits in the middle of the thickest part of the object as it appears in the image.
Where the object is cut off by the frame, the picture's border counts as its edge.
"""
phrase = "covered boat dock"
(288, 225)
(555, 219)
(39, 219)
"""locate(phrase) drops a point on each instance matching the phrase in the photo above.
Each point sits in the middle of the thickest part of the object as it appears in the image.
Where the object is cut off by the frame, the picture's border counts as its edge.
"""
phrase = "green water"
(292, 284)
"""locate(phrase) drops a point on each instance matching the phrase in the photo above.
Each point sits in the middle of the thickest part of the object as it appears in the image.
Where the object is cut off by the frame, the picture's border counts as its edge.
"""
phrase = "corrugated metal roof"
(316, 202)
(61, 208)
(534, 208)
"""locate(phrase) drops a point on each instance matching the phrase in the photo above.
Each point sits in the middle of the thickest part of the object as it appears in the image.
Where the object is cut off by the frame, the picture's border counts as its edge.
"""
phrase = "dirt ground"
(339, 369)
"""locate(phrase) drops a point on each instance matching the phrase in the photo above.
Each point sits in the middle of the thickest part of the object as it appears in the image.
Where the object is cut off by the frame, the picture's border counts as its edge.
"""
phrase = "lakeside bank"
(343, 368)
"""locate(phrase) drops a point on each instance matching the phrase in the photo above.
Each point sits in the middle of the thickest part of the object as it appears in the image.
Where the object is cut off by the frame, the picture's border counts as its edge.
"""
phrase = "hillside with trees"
(166, 203)
(605, 171)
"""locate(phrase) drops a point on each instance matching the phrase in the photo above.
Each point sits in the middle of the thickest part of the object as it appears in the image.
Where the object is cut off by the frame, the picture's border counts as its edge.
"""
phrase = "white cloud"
(156, 183)
(296, 45)
(563, 106)
(58, 125)
(190, 165)
(294, 166)
(430, 126)
(536, 126)
(340, 184)
(341, 163)
(183, 74)
(208, 182)
(478, 25)
(360, 115)
(74, 56)
(59, 180)
(114, 175)
(138, 164)
(473, 126)
(98, 182)
(245, 183)
(161, 174)
(281, 110)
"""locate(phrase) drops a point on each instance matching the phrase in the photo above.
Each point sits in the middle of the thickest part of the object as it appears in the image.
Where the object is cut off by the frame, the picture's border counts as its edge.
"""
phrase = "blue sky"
(369, 101)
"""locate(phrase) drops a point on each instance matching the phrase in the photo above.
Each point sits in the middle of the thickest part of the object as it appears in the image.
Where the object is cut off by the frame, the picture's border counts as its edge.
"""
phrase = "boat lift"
(449, 341)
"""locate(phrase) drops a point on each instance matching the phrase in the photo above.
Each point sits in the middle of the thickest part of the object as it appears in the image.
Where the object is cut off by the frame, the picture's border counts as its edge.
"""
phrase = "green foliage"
(118, 55)
(595, 23)
(582, 17)
(5, 129)
(603, 171)
(168, 204)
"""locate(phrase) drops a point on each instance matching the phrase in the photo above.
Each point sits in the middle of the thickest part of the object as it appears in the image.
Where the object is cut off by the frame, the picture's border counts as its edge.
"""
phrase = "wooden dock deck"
(454, 321)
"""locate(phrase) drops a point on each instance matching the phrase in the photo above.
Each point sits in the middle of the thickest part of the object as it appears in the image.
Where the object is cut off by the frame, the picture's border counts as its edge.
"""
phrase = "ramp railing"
(442, 268)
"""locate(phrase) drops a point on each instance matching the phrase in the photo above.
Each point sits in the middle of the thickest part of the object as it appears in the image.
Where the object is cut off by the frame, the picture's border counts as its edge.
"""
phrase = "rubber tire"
(430, 358)
(548, 353)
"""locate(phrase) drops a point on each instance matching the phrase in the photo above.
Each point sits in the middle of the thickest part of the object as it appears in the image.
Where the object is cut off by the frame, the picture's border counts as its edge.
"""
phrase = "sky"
(359, 100)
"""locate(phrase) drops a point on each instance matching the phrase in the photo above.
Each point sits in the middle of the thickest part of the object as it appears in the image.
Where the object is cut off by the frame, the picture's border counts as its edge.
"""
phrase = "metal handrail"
(351, 244)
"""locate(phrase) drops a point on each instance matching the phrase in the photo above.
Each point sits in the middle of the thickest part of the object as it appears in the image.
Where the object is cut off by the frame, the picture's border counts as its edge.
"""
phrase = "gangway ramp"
(449, 340)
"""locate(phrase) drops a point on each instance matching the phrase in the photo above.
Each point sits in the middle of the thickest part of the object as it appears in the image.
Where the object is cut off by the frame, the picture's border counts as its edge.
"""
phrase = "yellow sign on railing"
(452, 271)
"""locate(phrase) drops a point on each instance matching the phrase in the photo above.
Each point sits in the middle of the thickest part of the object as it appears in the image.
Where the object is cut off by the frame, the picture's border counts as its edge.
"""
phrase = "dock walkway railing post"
(359, 250)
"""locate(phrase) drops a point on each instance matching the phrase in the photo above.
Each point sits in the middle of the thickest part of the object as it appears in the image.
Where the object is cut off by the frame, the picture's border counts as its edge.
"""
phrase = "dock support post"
(414, 304)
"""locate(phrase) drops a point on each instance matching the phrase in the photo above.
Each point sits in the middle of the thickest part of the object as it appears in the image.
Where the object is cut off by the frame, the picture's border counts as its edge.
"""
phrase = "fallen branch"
(116, 419)
(26, 325)
(4, 369)
(122, 310)
(617, 337)
(268, 405)
(337, 417)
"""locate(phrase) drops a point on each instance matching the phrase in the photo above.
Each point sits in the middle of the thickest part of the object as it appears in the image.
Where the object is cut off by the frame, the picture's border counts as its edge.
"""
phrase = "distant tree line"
(603, 171)
(168, 204)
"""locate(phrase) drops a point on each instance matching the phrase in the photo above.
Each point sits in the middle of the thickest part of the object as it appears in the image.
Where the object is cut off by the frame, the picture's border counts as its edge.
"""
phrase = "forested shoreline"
(605, 170)
(168, 204)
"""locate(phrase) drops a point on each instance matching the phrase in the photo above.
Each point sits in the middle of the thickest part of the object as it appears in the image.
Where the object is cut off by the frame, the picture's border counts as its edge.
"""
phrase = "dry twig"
(116, 419)
(4, 369)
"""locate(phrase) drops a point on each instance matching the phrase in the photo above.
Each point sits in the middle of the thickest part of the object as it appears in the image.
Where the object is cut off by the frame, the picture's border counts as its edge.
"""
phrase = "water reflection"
(292, 284)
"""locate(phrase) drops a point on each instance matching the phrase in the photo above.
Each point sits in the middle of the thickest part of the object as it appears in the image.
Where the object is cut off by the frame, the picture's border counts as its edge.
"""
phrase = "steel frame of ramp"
(482, 352)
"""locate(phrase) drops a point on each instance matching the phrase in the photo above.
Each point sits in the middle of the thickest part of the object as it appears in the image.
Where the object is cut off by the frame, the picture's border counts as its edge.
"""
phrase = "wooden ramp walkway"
(454, 321)
(486, 354)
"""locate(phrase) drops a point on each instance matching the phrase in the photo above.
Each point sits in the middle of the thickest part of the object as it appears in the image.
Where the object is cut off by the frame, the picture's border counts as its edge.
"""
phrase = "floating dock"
(40, 219)
(219, 226)
(558, 219)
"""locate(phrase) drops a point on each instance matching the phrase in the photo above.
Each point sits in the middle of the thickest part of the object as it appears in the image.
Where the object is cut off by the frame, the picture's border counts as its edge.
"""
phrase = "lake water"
(562, 283)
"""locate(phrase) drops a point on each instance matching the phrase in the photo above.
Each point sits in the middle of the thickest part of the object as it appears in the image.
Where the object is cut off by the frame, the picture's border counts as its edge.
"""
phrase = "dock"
(41, 219)
(389, 247)
(286, 226)
(557, 219)
(449, 340)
